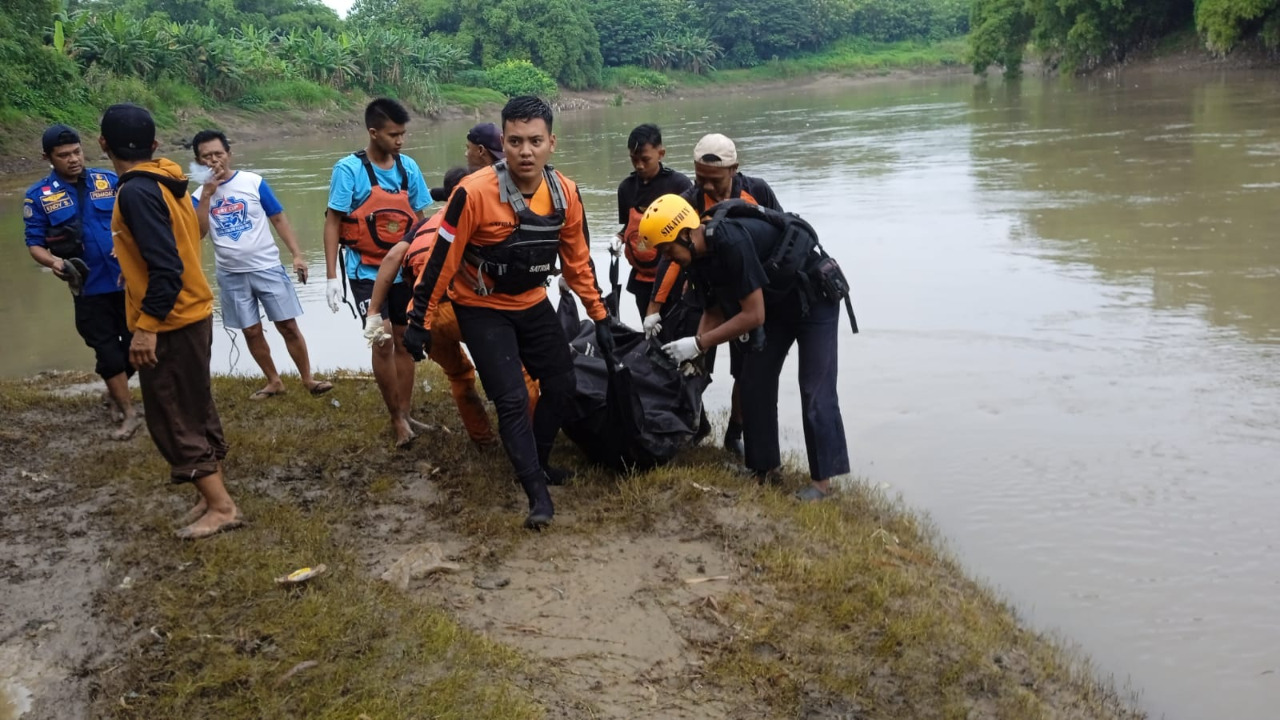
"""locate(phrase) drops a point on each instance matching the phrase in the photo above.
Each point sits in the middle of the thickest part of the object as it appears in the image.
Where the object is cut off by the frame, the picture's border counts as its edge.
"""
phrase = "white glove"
(374, 332)
(682, 350)
(333, 293)
(652, 325)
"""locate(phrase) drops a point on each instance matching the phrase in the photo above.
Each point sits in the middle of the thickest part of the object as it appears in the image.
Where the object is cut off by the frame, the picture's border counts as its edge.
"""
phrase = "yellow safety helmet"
(664, 219)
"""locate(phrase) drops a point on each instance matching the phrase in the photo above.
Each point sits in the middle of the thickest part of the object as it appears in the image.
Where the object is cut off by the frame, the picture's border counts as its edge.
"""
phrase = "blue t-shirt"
(349, 187)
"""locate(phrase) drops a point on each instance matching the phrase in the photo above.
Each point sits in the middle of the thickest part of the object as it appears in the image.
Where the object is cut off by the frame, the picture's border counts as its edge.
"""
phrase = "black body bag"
(634, 410)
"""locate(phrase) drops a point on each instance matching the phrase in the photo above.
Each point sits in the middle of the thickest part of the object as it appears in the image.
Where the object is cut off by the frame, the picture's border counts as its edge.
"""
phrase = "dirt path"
(619, 622)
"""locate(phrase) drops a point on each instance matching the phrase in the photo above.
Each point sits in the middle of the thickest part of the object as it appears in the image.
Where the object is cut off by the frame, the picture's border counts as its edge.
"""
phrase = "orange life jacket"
(644, 260)
(378, 223)
(424, 238)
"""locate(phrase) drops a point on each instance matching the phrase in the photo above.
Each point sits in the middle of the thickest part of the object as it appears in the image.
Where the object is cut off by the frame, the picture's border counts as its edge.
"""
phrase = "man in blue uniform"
(68, 230)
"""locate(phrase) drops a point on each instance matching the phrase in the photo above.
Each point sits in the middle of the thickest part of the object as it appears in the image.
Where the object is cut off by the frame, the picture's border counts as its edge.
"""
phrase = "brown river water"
(1069, 293)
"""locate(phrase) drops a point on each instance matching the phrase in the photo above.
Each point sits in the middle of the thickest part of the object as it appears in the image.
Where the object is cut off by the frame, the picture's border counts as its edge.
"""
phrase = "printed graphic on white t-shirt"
(229, 217)
(240, 225)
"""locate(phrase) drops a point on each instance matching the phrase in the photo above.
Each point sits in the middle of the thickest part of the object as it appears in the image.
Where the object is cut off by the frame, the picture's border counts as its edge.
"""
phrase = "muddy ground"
(617, 624)
(665, 597)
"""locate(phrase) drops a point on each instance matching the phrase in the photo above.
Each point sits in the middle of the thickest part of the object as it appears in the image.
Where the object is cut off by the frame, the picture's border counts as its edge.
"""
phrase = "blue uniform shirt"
(349, 187)
(52, 207)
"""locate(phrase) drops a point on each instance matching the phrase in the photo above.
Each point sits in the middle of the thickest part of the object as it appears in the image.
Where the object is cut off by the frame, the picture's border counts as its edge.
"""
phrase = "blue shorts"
(243, 291)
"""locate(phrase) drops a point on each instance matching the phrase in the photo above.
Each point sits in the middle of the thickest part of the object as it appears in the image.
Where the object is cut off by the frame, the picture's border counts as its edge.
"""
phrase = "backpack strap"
(404, 176)
(373, 178)
(368, 167)
(510, 194)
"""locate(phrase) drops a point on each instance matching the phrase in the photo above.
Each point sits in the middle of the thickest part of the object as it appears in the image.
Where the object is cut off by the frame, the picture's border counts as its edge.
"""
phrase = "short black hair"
(384, 110)
(452, 177)
(646, 134)
(205, 136)
(526, 107)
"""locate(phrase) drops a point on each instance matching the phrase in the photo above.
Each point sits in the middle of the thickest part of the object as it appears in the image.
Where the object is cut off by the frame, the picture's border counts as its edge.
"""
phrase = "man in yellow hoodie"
(169, 310)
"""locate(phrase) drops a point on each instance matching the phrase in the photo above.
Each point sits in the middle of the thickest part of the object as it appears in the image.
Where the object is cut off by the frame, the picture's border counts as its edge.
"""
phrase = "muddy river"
(1070, 358)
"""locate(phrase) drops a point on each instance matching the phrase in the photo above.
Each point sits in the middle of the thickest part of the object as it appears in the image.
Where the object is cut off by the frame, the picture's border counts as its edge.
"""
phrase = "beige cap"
(715, 150)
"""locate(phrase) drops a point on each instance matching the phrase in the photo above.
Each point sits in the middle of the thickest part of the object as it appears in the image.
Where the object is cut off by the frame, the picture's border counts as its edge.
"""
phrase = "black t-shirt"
(635, 193)
(732, 269)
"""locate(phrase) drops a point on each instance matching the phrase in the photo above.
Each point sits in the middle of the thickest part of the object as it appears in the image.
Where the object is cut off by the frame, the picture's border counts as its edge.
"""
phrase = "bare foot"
(269, 390)
(195, 513)
(128, 426)
(404, 434)
(210, 524)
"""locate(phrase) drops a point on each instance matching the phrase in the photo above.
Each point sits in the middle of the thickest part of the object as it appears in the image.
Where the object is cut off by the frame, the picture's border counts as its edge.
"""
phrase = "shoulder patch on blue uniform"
(26, 209)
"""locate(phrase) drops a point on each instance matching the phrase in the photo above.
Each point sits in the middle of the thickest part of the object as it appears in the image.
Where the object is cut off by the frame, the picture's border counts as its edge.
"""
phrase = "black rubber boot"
(558, 476)
(733, 438)
(704, 428)
(540, 508)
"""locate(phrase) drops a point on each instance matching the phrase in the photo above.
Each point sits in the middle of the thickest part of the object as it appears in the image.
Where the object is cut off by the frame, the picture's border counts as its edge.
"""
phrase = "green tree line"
(260, 53)
(1078, 35)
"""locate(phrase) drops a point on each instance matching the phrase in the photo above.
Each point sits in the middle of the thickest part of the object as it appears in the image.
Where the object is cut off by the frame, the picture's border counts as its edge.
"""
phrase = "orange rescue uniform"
(488, 220)
(446, 346)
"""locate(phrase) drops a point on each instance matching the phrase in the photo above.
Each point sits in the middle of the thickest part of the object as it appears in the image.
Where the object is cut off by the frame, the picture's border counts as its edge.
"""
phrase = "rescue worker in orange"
(375, 196)
(649, 180)
(409, 256)
(504, 230)
(715, 178)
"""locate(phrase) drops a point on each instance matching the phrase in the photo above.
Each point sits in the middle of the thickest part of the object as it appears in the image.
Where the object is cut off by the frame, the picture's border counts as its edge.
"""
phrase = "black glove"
(417, 340)
(604, 336)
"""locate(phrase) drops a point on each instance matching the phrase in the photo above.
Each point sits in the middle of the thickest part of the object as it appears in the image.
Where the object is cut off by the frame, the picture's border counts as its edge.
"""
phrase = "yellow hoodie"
(157, 241)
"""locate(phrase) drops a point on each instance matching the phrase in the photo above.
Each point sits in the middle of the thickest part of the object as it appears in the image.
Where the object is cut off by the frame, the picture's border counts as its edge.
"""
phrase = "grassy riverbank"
(684, 592)
(301, 107)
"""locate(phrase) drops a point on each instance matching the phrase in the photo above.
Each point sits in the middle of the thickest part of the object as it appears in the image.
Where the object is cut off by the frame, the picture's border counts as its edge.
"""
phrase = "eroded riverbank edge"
(253, 129)
(684, 592)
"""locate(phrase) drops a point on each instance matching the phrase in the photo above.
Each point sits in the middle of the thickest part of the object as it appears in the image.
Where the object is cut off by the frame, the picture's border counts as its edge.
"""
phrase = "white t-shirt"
(239, 224)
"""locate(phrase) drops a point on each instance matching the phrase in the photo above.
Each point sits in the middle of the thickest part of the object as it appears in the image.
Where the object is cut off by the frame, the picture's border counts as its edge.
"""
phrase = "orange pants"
(446, 351)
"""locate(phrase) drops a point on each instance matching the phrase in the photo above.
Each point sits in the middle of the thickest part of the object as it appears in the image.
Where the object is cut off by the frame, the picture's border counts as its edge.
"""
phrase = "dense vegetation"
(65, 59)
(1078, 35)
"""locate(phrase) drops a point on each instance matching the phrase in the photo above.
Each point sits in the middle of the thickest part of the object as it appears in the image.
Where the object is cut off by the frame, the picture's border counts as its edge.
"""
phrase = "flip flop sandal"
(320, 388)
(811, 494)
(77, 273)
(264, 394)
(187, 533)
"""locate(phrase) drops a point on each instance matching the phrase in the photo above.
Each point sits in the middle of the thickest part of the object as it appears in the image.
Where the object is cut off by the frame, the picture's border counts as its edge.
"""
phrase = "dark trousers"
(100, 321)
(499, 342)
(643, 291)
(816, 335)
(181, 416)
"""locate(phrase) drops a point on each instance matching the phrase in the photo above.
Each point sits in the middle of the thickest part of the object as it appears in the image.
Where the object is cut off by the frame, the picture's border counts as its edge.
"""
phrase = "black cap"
(58, 135)
(487, 135)
(128, 127)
